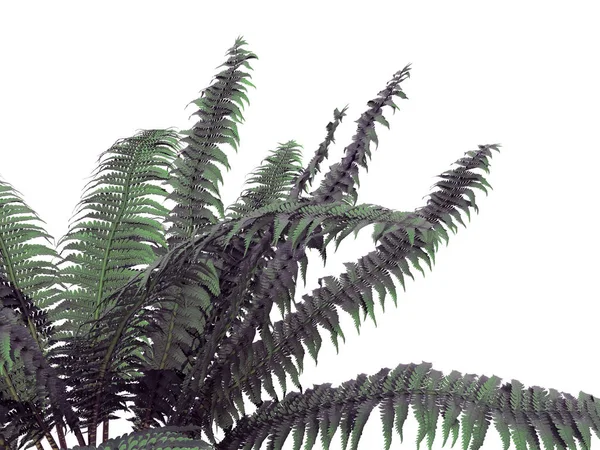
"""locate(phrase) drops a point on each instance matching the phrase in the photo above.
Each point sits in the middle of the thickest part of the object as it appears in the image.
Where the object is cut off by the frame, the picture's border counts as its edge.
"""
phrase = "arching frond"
(252, 365)
(332, 216)
(168, 318)
(27, 286)
(20, 264)
(464, 403)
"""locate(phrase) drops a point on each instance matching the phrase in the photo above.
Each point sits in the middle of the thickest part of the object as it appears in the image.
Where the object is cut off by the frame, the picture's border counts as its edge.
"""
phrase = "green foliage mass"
(155, 311)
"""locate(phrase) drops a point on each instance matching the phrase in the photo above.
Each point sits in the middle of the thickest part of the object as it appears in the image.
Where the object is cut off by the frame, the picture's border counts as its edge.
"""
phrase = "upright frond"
(123, 232)
(119, 239)
(272, 179)
(308, 174)
(342, 176)
(195, 177)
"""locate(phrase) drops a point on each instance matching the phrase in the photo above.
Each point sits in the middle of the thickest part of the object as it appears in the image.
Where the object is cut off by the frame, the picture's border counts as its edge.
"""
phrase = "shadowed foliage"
(173, 322)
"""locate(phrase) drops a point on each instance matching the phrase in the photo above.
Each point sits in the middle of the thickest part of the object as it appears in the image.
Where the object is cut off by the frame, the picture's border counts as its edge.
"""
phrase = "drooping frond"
(464, 404)
(20, 264)
(27, 285)
(195, 177)
(308, 174)
(253, 365)
(341, 177)
(168, 319)
(444, 204)
(167, 438)
(337, 220)
(272, 179)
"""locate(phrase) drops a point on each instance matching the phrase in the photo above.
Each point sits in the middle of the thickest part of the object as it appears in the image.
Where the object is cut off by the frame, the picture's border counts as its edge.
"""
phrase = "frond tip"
(196, 176)
(522, 415)
(271, 180)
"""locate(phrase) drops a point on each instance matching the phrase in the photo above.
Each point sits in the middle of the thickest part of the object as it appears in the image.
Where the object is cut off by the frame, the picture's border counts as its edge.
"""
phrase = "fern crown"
(166, 313)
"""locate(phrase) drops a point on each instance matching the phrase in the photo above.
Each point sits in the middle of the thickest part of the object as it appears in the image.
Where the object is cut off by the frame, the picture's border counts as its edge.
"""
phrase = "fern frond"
(351, 292)
(31, 386)
(27, 286)
(272, 179)
(476, 400)
(341, 177)
(278, 286)
(119, 356)
(31, 277)
(330, 216)
(308, 174)
(227, 306)
(168, 319)
(195, 177)
(121, 234)
(444, 204)
(167, 438)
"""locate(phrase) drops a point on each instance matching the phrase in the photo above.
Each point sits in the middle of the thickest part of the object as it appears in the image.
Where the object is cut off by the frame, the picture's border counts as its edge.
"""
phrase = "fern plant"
(155, 311)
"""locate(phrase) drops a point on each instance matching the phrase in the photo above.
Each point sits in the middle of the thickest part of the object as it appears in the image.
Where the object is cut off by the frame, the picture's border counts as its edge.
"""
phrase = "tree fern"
(132, 315)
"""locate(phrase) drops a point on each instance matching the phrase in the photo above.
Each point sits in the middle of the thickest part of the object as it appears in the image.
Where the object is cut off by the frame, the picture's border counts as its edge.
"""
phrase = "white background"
(514, 294)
